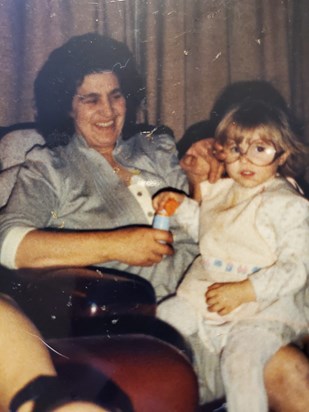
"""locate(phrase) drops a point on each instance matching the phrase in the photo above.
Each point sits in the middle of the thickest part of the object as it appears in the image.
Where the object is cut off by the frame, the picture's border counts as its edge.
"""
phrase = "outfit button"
(139, 194)
(150, 214)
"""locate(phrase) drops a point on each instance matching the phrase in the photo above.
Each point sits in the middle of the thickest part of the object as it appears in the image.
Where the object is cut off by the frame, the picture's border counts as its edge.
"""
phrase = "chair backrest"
(17, 126)
(13, 149)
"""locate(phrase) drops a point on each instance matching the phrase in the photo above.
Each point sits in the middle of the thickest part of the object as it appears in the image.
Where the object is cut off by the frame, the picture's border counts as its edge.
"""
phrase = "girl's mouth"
(246, 173)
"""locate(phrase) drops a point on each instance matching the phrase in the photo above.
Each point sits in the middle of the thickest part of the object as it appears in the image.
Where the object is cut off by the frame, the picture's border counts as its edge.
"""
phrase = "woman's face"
(99, 110)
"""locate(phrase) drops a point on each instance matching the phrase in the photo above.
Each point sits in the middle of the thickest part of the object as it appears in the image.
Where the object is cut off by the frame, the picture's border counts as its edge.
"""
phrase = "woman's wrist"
(195, 191)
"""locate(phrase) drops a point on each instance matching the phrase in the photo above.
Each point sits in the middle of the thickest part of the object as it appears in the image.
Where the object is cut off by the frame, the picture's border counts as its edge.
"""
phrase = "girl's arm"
(288, 275)
(187, 214)
(290, 272)
(225, 297)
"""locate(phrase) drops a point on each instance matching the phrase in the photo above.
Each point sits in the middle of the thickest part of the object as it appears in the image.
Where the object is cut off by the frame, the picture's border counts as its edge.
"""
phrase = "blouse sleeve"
(33, 198)
(166, 159)
(14, 147)
(187, 215)
(289, 274)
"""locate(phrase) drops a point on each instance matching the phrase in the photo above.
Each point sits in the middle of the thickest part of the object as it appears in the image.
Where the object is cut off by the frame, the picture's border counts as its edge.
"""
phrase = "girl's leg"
(247, 350)
(178, 313)
(207, 367)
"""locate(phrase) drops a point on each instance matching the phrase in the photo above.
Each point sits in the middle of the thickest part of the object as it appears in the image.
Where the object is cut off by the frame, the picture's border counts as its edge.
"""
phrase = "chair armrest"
(154, 374)
(56, 299)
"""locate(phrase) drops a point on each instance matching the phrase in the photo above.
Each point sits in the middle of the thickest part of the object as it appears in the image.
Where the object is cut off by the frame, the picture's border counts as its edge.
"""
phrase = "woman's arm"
(200, 164)
(133, 246)
(40, 192)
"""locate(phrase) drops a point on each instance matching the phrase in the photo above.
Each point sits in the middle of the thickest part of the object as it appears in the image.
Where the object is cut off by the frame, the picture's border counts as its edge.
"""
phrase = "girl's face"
(99, 110)
(246, 173)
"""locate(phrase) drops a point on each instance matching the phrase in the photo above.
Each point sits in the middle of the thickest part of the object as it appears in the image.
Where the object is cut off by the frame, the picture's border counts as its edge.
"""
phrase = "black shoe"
(50, 392)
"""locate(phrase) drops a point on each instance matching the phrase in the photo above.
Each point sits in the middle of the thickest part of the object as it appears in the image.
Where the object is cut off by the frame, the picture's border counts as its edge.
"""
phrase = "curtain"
(188, 50)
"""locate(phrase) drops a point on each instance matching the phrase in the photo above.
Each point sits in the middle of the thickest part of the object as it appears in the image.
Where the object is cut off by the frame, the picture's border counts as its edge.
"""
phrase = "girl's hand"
(160, 200)
(225, 297)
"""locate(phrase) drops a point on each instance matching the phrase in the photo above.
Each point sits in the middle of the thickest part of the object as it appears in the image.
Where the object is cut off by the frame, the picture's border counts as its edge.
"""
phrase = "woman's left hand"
(225, 297)
(202, 161)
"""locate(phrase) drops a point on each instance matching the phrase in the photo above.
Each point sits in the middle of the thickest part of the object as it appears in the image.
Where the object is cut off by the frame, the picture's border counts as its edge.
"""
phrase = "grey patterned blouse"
(73, 187)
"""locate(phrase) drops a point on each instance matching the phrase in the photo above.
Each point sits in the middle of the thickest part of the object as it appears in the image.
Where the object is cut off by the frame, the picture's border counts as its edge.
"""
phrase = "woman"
(93, 185)
(85, 199)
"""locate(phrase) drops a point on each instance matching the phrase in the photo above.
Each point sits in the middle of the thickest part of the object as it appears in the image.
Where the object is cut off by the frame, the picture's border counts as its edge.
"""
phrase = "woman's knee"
(286, 364)
(286, 376)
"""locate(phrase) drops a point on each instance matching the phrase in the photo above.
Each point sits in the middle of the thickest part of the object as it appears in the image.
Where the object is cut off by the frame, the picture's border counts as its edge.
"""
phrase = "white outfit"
(260, 233)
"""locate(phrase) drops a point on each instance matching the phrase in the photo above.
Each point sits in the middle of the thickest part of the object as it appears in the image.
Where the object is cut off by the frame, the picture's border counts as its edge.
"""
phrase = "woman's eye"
(89, 100)
(117, 96)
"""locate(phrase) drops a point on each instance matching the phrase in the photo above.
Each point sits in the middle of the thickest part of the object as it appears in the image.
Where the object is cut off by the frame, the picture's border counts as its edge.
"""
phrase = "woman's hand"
(142, 246)
(225, 297)
(203, 161)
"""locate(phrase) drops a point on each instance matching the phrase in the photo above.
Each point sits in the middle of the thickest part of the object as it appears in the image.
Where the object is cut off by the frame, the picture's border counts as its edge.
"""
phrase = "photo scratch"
(122, 66)
(47, 345)
(217, 56)
(52, 349)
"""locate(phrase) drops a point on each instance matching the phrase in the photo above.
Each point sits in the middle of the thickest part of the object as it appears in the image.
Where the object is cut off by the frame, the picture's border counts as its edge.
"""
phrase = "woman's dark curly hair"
(64, 71)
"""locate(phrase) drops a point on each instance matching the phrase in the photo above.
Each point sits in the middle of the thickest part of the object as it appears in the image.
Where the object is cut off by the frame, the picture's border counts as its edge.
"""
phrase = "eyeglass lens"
(259, 153)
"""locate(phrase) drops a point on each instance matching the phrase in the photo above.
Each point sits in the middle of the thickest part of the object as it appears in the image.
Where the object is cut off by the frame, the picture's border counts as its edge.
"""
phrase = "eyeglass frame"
(277, 154)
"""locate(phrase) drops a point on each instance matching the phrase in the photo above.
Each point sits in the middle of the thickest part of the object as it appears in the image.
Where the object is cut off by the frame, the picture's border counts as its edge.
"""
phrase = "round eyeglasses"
(259, 153)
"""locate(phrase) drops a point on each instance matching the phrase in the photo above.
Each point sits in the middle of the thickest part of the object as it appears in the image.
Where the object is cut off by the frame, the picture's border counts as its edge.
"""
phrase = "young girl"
(244, 295)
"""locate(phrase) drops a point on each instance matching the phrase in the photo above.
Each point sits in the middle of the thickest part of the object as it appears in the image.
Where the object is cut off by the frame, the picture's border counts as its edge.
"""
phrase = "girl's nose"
(243, 158)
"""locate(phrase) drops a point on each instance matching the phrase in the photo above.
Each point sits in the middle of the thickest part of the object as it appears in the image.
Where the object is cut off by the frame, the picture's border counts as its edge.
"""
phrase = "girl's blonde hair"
(272, 124)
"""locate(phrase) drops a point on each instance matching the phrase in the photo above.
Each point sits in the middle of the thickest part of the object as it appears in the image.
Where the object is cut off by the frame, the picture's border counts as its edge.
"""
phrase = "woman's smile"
(105, 124)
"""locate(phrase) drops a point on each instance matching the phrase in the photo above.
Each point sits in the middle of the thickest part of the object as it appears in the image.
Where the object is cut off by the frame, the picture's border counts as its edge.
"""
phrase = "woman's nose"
(106, 108)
